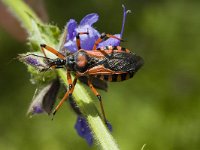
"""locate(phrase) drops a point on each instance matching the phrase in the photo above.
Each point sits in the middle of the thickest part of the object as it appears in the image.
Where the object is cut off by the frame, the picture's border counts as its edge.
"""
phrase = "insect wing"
(96, 82)
(123, 62)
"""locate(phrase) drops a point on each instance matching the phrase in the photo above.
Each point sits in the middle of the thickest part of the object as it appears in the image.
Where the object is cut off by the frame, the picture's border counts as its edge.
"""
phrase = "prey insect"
(109, 63)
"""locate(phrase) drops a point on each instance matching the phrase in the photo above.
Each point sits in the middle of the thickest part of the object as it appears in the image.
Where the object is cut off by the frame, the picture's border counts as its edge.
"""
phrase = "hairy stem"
(32, 24)
(84, 101)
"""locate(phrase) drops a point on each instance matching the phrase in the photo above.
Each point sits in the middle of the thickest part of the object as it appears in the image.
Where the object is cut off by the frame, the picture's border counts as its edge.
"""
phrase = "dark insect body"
(109, 63)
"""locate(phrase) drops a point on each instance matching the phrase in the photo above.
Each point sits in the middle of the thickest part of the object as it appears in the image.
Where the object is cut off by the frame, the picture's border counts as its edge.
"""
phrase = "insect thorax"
(78, 61)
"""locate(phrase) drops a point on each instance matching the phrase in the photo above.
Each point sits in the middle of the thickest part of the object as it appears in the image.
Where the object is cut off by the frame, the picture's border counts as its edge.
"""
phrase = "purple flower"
(83, 130)
(81, 126)
(44, 99)
(87, 41)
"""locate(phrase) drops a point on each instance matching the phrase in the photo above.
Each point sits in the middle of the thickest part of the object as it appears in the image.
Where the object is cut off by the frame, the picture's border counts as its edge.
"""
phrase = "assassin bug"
(109, 63)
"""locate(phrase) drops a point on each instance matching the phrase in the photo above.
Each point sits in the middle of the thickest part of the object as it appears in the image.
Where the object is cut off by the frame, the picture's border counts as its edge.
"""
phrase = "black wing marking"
(123, 62)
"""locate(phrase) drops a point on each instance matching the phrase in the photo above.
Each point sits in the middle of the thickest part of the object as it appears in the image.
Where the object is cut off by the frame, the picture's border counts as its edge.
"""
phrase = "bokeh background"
(159, 107)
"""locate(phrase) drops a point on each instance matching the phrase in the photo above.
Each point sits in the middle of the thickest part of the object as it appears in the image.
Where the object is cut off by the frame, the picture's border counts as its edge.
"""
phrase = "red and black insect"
(109, 63)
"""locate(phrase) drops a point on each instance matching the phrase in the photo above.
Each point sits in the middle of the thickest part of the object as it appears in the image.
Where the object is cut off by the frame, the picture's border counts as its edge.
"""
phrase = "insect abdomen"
(114, 49)
(116, 77)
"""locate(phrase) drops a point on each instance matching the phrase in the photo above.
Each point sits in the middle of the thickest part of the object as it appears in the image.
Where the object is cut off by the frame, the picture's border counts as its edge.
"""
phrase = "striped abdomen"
(115, 77)
(114, 49)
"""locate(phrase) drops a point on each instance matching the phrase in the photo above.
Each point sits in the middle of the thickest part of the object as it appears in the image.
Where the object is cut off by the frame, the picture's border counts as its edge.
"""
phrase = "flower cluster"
(87, 41)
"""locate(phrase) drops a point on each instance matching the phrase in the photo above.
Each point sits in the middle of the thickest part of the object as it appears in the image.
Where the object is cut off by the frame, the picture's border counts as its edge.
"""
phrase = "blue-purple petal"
(32, 61)
(37, 109)
(89, 138)
(109, 126)
(110, 42)
(83, 130)
(87, 41)
(71, 26)
(71, 46)
(89, 19)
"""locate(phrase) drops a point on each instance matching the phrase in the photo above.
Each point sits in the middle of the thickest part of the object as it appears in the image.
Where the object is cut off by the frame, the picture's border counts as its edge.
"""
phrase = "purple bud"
(38, 62)
(44, 99)
(83, 130)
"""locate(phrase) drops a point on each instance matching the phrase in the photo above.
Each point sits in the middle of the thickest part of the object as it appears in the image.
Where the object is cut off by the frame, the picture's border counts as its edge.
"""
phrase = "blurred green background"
(159, 107)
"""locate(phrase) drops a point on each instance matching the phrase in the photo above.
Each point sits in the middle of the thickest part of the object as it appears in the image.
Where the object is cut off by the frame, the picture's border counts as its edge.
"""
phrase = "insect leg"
(99, 98)
(103, 37)
(52, 50)
(69, 79)
(69, 92)
(78, 42)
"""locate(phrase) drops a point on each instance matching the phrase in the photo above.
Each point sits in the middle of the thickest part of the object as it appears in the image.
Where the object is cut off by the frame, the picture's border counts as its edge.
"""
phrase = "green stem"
(85, 103)
(100, 132)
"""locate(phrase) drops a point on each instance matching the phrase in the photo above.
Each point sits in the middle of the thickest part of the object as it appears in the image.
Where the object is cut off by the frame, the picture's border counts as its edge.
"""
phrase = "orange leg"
(103, 37)
(99, 98)
(69, 79)
(78, 42)
(52, 50)
(67, 94)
